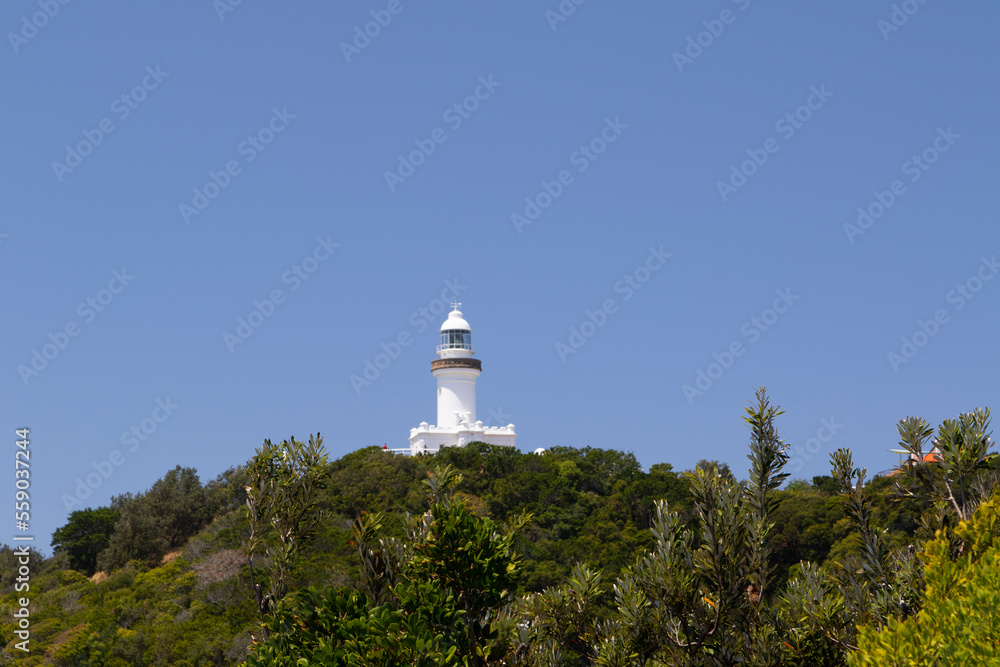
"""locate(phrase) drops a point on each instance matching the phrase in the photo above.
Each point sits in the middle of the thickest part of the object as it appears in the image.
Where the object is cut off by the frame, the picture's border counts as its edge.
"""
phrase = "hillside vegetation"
(484, 555)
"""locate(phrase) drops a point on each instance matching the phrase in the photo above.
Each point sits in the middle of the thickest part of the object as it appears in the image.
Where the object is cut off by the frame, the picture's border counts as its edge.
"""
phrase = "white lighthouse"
(456, 371)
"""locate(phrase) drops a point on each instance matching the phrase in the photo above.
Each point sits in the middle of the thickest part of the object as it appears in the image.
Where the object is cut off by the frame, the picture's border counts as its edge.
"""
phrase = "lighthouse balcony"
(456, 362)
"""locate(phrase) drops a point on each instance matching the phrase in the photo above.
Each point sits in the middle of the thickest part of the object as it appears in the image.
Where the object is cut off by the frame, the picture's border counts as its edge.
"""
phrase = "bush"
(958, 623)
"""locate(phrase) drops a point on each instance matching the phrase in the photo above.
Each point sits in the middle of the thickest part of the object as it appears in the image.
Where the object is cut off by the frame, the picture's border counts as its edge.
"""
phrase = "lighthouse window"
(456, 339)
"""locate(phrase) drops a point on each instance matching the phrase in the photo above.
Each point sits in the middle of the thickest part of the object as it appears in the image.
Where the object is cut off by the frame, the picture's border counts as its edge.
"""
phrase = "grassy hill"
(161, 577)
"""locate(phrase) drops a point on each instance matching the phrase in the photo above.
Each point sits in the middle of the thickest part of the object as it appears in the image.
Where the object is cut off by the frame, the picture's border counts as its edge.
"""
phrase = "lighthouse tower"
(456, 371)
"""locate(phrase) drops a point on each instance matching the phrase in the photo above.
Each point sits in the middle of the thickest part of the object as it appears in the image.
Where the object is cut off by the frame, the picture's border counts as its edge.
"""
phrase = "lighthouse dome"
(456, 335)
(455, 322)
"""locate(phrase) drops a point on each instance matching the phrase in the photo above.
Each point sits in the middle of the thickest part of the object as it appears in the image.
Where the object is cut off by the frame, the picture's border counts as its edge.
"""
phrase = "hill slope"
(176, 591)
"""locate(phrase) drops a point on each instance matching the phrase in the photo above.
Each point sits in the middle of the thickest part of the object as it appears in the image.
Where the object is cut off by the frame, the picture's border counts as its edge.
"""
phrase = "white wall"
(456, 394)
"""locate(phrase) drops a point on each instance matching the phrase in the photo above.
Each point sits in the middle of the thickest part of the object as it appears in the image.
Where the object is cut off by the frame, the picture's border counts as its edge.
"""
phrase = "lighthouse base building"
(430, 438)
(456, 371)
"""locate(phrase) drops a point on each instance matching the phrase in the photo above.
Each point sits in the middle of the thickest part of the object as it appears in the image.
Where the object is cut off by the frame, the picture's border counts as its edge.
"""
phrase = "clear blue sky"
(288, 135)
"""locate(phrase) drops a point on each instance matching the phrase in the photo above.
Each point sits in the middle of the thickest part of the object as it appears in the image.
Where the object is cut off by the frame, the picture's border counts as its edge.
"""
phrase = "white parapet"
(428, 438)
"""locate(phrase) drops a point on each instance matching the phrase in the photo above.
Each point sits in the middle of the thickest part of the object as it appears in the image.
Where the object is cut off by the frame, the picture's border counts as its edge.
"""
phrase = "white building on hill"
(456, 371)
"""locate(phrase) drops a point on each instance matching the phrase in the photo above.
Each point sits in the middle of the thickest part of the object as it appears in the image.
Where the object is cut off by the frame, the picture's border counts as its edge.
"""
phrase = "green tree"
(10, 562)
(962, 473)
(282, 498)
(958, 624)
(137, 535)
(84, 536)
(560, 625)
(825, 484)
(227, 492)
(876, 584)
(717, 467)
(435, 598)
(807, 525)
(472, 561)
(180, 503)
(152, 523)
(706, 598)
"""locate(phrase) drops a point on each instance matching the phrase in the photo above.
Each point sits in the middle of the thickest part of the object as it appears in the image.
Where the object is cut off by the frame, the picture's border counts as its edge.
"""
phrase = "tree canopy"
(484, 555)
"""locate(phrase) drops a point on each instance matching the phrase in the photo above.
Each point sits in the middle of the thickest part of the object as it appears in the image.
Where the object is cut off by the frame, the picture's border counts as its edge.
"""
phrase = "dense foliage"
(150, 524)
(431, 599)
(484, 555)
(85, 536)
(959, 622)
